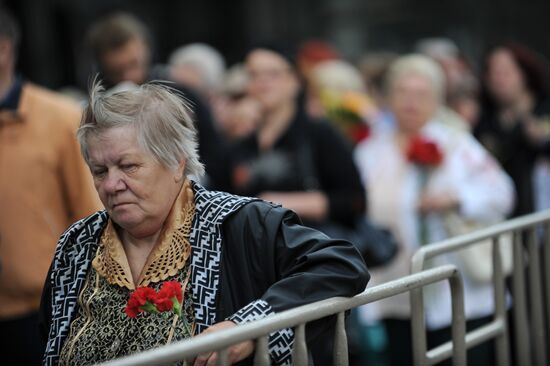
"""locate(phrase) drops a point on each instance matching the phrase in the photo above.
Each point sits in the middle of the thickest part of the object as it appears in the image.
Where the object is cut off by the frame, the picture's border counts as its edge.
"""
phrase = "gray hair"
(420, 65)
(161, 118)
(208, 60)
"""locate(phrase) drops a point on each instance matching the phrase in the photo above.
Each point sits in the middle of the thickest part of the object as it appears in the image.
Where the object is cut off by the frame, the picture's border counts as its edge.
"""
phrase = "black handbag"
(376, 244)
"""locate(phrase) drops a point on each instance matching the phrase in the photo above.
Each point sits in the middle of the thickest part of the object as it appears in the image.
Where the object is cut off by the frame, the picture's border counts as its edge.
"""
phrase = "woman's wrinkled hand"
(235, 353)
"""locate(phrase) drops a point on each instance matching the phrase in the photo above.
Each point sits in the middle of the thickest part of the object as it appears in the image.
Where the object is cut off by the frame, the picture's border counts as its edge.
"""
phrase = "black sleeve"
(309, 265)
(273, 263)
(338, 174)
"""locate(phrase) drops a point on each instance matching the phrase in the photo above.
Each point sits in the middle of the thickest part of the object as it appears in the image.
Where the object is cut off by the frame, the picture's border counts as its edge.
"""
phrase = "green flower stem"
(149, 307)
(422, 225)
(177, 306)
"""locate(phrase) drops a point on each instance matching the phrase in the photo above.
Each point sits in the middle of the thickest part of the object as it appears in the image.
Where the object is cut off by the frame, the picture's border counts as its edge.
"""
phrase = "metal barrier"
(526, 336)
(297, 319)
(456, 348)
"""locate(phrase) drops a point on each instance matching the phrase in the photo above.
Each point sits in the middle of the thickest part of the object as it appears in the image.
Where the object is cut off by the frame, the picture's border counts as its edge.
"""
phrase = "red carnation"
(143, 294)
(132, 308)
(359, 132)
(140, 300)
(170, 292)
(163, 303)
(147, 299)
(424, 152)
(171, 289)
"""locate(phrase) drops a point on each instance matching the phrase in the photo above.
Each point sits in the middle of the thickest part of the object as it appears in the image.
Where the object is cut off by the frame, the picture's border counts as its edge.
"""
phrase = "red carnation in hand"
(424, 152)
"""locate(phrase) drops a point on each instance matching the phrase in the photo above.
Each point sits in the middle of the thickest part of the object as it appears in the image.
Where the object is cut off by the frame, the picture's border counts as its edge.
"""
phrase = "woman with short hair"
(168, 259)
(422, 176)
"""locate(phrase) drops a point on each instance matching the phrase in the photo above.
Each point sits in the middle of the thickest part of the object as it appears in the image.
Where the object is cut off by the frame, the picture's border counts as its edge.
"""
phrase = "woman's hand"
(235, 353)
(437, 203)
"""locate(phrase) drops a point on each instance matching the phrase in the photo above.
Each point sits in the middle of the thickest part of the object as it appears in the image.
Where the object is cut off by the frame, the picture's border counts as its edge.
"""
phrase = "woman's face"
(271, 79)
(504, 77)
(413, 101)
(137, 191)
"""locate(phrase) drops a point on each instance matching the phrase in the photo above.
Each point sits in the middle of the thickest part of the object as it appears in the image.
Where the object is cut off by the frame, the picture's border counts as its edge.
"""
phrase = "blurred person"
(217, 259)
(312, 52)
(44, 187)
(465, 101)
(373, 67)
(304, 164)
(515, 121)
(431, 176)
(241, 112)
(458, 78)
(199, 66)
(122, 49)
(337, 92)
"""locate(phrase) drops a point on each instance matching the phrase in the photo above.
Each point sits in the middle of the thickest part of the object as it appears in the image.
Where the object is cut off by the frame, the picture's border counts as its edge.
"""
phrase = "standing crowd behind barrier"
(425, 177)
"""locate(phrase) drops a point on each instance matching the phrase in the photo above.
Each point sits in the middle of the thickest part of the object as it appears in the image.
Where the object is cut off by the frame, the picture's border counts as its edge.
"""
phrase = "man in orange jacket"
(44, 187)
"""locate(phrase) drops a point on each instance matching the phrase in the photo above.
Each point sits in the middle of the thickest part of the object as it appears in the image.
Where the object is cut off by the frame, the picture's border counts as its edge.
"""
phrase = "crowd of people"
(418, 147)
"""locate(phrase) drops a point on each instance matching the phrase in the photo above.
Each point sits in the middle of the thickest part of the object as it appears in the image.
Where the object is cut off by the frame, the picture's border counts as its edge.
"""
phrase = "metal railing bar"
(420, 354)
(287, 319)
(521, 324)
(473, 338)
(222, 358)
(458, 321)
(485, 333)
(261, 357)
(340, 352)
(537, 317)
(546, 267)
(501, 340)
(462, 241)
(299, 350)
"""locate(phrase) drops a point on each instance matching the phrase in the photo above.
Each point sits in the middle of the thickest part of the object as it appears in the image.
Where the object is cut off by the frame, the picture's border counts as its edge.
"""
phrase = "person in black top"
(304, 164)
(121, 46)
(515, 120)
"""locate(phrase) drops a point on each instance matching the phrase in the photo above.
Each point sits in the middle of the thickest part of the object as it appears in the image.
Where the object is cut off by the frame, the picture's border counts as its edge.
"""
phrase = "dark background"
(52, 51)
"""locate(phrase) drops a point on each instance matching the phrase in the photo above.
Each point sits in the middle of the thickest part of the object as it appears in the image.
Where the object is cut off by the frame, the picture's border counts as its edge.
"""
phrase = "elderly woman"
(430, 175)
(225, 259)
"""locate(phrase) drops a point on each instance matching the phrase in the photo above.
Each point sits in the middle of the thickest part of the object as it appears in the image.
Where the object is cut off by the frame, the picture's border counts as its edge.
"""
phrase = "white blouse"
(485, 194)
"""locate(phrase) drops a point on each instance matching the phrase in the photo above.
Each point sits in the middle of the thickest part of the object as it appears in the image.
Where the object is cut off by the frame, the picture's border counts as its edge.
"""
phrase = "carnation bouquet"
(168, 300)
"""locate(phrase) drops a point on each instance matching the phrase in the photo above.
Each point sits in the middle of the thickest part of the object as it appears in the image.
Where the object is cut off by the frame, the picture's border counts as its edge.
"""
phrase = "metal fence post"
(501, 341)
(340, 352)
(261, 356)
(418, 322)
(537, 317)
(458, 320)
(522, 342)
(299, 351)
(546, 267)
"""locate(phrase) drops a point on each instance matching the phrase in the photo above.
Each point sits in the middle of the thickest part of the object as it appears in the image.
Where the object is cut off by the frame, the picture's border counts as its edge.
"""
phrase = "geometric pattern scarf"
(78, 244)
